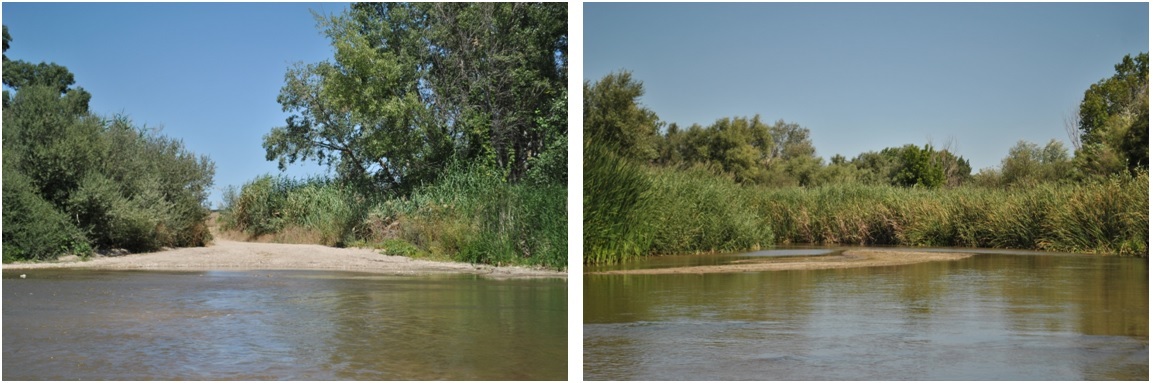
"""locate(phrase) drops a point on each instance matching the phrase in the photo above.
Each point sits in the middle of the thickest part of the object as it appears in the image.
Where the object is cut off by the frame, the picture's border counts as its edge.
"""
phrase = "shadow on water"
(1010, 316)
(256, 325)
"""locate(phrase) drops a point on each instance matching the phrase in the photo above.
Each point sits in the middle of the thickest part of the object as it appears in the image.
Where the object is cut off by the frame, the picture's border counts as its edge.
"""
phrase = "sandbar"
(237, 255)
(847, 259)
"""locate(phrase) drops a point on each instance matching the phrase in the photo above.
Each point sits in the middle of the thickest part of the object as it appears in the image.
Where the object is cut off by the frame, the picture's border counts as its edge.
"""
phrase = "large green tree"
(613, 116)
(1114, 121)
(413, 85)
(1027, 163)
(918, 168)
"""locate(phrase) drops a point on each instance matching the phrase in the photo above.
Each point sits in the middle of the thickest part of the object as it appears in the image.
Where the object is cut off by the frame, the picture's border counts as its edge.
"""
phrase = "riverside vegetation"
(743, 184)
(76, 183)
(445, 125)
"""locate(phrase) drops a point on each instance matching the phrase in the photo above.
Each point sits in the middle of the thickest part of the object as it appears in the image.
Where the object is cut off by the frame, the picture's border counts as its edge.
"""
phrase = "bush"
(119, 185)
(33, 228)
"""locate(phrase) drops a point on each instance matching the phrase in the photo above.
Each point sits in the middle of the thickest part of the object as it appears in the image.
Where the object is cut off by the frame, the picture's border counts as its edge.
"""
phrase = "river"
(294, 325)
(999, 315)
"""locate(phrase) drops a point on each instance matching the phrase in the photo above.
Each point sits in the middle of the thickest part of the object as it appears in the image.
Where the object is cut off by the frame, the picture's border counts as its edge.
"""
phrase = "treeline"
(445, 126)
(75, 182)
(741, 183)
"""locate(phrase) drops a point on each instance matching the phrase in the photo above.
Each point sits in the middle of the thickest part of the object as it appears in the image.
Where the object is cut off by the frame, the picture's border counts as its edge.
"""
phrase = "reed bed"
(695, 211)
(470, 214)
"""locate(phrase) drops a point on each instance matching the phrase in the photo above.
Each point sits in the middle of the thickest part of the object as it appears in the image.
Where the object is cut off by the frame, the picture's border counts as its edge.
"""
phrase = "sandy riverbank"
(848, 259)
(235, 255)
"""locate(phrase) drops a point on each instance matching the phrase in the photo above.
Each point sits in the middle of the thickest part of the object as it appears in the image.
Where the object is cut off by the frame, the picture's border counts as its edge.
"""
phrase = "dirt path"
(848, 259)
(235, 255)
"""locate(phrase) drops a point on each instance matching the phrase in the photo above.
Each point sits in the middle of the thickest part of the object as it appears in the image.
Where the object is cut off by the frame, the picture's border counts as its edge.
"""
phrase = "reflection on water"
(711, 259)
(62, 325)
(992, 316)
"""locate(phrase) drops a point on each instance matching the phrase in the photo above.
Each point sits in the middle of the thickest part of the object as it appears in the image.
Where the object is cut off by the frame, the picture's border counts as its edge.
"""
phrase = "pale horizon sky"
(866, 76)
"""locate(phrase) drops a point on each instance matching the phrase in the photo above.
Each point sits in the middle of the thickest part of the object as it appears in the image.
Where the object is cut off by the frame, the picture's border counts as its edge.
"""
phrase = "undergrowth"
(470, 214)
(634, 210)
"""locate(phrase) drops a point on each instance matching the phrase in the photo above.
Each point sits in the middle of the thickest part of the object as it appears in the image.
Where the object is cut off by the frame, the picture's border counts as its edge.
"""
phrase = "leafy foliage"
(614, 117)
(1114, 121)
(413, 86)
(78, 181)
(917, 168)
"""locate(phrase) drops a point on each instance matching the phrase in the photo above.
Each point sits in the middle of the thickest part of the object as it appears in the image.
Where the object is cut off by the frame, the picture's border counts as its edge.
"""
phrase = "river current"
(995, 316)
(302, 325)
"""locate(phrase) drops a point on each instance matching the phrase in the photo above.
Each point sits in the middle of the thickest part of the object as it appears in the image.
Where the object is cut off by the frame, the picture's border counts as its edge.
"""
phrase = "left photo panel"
(285, 191)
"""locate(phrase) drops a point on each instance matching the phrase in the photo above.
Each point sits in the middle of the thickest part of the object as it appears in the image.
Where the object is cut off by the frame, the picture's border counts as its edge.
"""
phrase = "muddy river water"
(994, 316)
(256, 325)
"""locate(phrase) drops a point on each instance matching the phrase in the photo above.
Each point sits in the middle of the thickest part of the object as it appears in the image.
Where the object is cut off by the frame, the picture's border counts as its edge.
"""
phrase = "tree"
(793, 153)
(412, 86)
(1028, 163)
(1114, 120)
(877, 168)
(19, 74)
(500, 63)
(614, 117)
(917, 168)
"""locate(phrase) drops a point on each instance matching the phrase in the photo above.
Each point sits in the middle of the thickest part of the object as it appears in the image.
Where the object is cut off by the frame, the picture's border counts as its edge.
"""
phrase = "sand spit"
(235, 255)
(848, 259)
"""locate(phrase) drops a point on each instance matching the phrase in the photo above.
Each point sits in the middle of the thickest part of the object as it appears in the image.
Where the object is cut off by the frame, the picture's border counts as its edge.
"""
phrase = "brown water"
(133, 325)
(1027, 316)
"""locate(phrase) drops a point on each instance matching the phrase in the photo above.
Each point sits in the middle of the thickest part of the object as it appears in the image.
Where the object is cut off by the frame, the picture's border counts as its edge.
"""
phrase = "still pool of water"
(1005, 316)
(257, 325)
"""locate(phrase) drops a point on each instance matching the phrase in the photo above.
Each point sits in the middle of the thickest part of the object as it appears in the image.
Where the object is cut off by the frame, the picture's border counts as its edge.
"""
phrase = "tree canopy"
(1114, 121)
(414, 86)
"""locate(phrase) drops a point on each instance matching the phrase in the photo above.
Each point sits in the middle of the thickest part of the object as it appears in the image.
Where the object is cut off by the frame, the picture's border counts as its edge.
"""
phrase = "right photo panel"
(866, 191)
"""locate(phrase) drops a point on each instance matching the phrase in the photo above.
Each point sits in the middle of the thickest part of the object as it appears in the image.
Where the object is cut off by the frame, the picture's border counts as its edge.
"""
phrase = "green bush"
(33, 228)
(120, 185)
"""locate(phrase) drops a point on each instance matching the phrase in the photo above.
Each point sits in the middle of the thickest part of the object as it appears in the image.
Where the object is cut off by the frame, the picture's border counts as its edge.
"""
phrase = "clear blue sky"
(209, 73)
(863, 77)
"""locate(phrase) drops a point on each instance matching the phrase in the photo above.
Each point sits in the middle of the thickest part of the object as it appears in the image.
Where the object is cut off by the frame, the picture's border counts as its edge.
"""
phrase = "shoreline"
(848, 259)
(239, 256)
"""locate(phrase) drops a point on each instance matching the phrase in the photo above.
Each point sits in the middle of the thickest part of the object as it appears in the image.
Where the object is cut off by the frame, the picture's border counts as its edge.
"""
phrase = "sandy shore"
(848, 259)
(235, 255)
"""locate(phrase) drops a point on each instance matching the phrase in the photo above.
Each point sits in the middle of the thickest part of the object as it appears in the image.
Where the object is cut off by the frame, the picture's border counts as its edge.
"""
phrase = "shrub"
(33, 228)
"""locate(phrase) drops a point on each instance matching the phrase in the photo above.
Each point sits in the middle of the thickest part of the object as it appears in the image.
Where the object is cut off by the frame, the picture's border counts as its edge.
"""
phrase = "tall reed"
(616, 202)
(470, 214)
(685, 211)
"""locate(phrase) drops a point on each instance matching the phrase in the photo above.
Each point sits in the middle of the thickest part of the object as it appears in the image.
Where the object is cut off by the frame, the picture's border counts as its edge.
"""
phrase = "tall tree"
(500, 65)
(1114, 120)
(614, 116)
(412, 85)
(917, 168)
